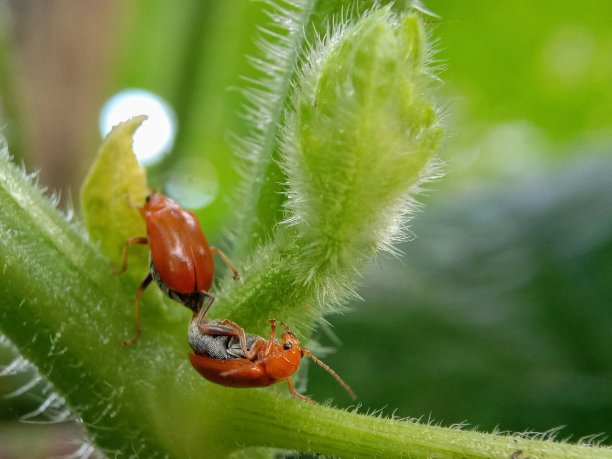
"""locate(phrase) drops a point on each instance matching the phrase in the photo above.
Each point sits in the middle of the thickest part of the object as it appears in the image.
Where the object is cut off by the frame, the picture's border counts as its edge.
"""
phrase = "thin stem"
(261, 198)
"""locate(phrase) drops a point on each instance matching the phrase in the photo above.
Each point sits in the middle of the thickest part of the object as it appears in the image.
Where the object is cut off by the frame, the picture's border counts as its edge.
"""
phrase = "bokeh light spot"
(193, 182)
(155, 137)
(568, 55)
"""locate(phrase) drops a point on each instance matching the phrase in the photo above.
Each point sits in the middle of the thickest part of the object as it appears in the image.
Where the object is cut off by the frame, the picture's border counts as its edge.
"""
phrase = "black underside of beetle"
(193, 300)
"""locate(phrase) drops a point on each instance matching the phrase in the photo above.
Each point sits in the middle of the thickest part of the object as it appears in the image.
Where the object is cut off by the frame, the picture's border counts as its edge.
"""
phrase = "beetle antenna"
(323, 365)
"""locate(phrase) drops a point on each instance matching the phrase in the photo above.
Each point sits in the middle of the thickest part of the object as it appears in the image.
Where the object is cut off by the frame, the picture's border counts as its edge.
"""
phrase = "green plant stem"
(271, 289)
(260, 195)
(11, 117)
(347, 434)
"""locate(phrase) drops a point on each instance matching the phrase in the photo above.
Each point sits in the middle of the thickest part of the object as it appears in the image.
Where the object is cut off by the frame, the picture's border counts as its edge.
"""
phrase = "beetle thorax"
(157, 202)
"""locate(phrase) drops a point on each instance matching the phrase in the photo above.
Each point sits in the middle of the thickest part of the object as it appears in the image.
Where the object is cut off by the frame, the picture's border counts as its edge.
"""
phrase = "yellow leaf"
(115, 184)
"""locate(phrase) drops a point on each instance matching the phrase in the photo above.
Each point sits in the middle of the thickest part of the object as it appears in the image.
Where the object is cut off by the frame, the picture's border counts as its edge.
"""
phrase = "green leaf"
(114, 185)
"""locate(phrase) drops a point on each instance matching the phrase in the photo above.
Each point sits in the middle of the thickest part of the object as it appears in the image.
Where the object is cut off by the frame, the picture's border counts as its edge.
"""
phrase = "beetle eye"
(148, 198)
(287, 346)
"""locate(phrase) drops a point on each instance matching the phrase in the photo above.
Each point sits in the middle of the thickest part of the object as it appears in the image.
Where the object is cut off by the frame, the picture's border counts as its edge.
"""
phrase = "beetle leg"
(241, 334)
(208, 302)
(257, 346)
(124, 253)
(296, 394)
(224, 328)
(271, 339)
(228, 328)
(145, 283)
(227, 261)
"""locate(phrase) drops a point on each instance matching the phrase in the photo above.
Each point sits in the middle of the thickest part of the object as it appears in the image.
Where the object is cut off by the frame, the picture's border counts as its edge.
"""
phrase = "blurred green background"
(499, 313)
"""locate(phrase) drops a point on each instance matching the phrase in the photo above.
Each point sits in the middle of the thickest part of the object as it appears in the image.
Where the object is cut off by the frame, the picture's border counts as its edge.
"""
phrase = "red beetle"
(181, 259)
(225, 354)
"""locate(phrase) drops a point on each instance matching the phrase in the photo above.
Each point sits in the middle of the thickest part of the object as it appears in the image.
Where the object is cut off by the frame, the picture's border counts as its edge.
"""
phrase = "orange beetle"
(181, 260)
(225, 354)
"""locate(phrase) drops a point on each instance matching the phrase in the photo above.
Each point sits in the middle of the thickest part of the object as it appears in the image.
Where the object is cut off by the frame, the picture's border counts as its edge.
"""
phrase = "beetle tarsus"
(145, 283)
(296, 394)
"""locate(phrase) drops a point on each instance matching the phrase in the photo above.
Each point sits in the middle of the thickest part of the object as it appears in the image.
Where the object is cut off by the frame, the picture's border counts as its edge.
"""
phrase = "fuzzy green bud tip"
(364, 133)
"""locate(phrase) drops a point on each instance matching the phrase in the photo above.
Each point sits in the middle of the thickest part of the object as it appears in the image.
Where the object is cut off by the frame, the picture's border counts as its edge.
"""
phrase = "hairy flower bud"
(362, 137)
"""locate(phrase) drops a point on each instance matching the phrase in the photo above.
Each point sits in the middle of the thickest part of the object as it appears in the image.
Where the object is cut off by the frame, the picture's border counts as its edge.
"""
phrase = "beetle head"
(157, 201)
(284, 357)
(289, 338)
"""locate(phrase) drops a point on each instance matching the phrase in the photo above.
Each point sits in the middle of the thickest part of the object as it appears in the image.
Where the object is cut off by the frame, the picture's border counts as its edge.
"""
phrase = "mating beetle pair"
(182, 265)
